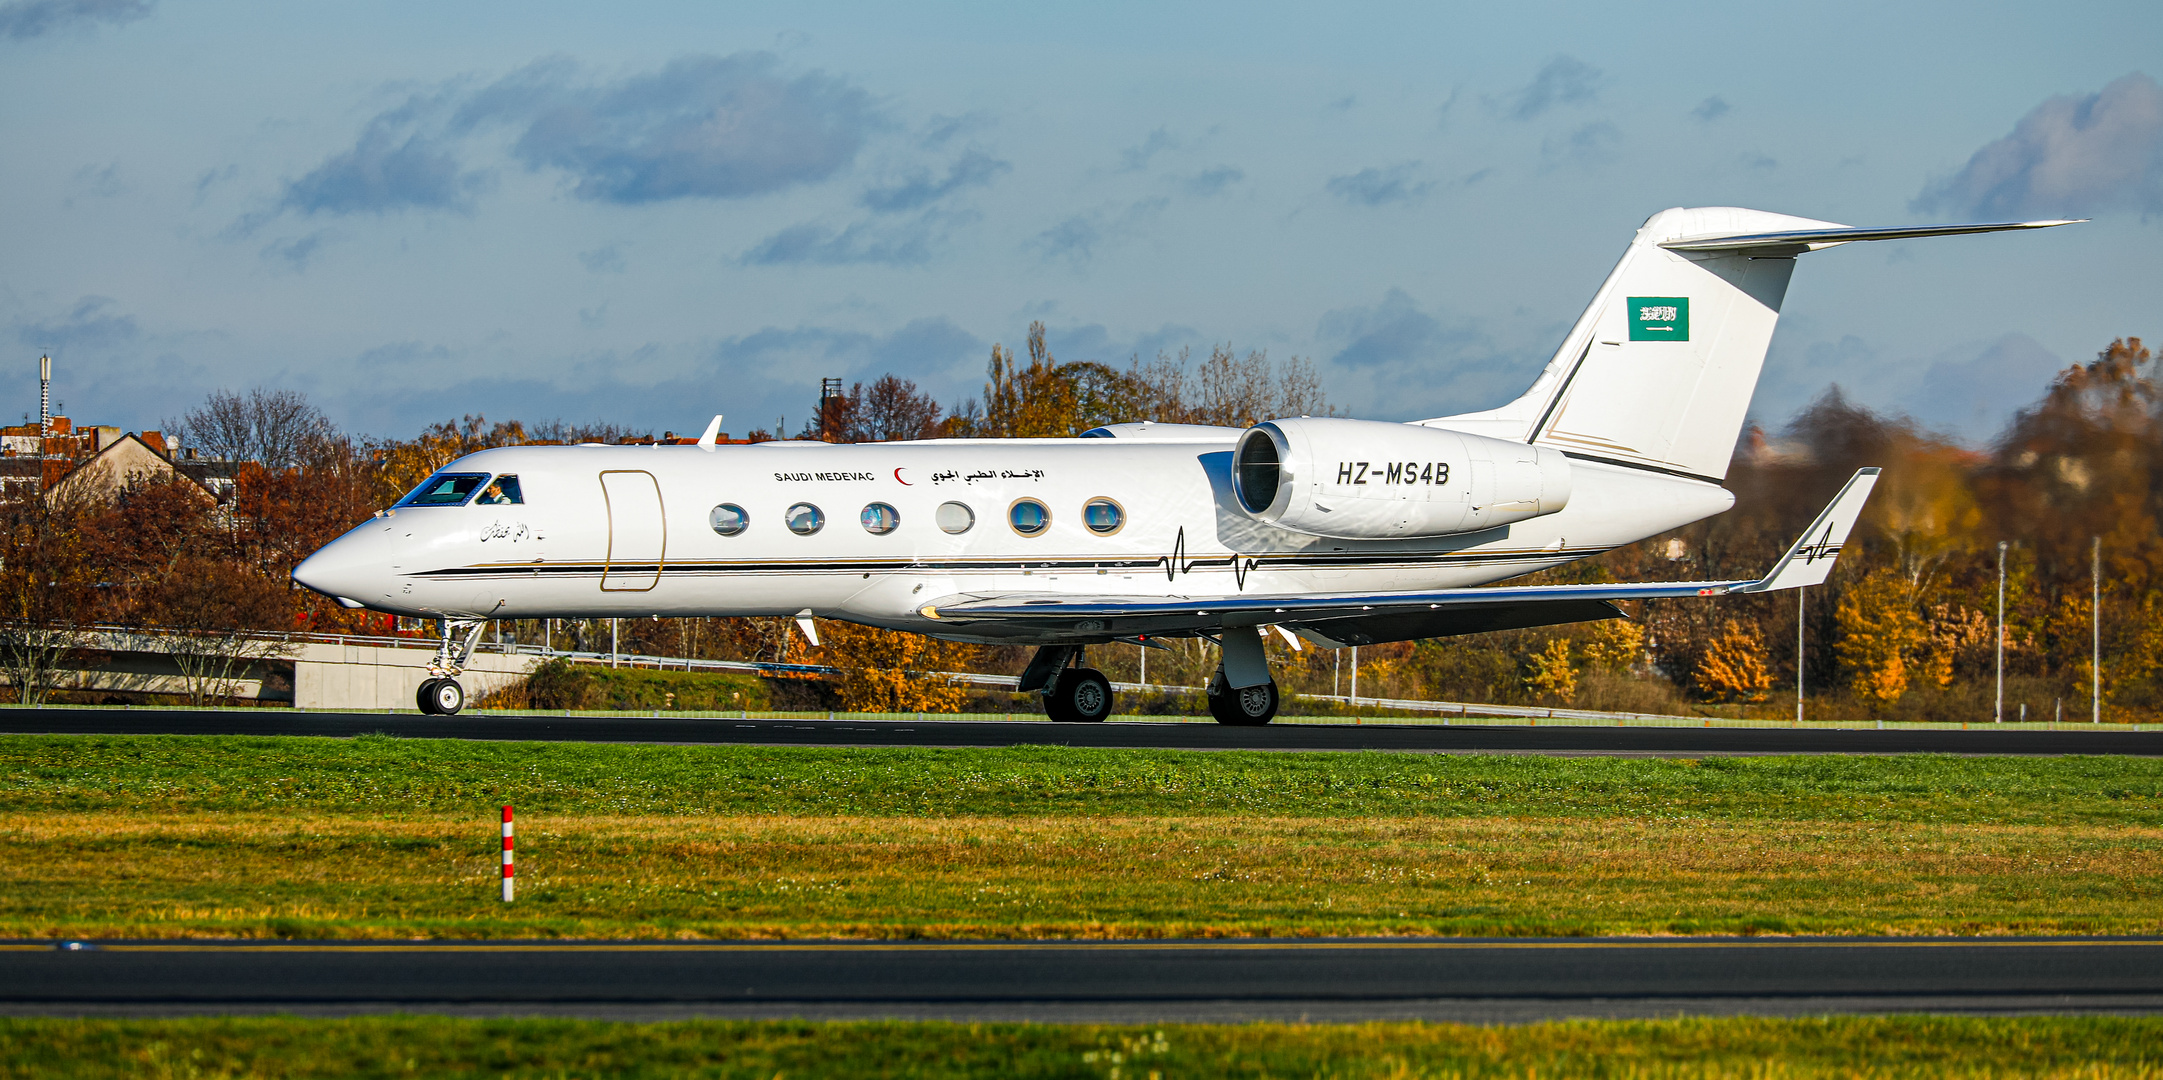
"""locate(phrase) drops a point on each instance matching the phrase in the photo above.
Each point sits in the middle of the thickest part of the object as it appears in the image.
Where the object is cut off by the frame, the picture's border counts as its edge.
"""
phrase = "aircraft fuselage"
(621, 531)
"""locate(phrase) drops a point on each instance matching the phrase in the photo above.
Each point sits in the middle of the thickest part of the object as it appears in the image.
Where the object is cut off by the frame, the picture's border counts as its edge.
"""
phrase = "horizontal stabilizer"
(1800, 240)
(1811, 559)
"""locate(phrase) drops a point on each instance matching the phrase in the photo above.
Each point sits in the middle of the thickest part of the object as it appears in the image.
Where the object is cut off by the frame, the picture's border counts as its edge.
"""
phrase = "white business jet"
(1341, 532)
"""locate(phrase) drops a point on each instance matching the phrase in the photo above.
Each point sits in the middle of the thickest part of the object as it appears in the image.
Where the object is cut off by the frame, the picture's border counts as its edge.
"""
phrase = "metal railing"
(1444, 711)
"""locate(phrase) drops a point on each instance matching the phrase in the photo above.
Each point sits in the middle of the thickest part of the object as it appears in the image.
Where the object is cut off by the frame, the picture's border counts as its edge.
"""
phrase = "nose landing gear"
(440, 694)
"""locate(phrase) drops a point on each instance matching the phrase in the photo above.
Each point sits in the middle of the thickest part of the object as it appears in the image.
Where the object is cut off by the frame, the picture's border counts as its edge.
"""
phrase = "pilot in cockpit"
(502, 491)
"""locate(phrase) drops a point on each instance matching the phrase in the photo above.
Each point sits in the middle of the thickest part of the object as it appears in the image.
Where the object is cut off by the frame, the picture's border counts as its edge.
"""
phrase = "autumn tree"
(278, 429)
(45, 584)
(1044, 397)
(1879, 634)
(1732, 666)
(890, 671)
(1549, 674)
(217, 617)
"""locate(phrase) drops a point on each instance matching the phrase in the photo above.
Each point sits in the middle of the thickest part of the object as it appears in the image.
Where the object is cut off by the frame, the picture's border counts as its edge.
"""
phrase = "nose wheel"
(441, 697)
(440, 694)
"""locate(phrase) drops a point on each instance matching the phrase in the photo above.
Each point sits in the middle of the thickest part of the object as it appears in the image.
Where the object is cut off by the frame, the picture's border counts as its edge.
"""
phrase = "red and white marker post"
(508, 870)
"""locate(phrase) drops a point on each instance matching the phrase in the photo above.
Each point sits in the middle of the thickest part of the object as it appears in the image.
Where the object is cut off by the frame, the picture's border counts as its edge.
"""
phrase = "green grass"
(379, 837)
(258, 874)
(164, 774)
(401, 1046)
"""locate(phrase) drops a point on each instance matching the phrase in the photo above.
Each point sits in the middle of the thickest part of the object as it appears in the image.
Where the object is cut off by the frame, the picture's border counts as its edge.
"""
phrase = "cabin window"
(728, 519)
(880, 519)
(955, 518)
(1103, 516)
(1029, 517)
(803, 519)
(502, 491)
(445, 489)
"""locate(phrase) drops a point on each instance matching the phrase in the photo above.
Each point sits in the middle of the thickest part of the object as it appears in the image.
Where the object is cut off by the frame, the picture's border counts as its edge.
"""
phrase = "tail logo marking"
(1823, 549)
(1659, 318)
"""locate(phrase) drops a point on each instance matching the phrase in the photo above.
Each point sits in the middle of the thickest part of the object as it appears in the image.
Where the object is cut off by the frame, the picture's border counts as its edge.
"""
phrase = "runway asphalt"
(847, 731)
(1328, 979)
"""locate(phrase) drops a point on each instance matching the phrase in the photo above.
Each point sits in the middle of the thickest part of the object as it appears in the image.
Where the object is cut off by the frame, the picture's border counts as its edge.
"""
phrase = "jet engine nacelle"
(1370, 480)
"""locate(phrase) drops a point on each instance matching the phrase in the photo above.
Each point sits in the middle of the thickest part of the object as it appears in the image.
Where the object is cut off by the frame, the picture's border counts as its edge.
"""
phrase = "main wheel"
(1252, 706)
(446, 697)
(1081, 696)
(425, 697)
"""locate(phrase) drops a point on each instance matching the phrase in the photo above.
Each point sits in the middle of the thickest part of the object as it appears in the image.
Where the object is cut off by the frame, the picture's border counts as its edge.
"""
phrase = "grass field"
(377, 775)
(306, 874)
(416, 1046)
(151, 836)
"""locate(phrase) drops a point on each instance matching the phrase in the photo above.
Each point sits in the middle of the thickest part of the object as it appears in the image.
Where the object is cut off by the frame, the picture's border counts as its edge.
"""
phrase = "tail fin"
(1659, 370)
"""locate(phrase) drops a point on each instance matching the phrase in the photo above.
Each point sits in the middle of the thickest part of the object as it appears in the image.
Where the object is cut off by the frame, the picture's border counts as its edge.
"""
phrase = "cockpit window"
(502, 491)
(445, 489)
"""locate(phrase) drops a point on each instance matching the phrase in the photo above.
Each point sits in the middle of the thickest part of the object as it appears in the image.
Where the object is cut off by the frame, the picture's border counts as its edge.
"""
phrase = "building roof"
(121, 464)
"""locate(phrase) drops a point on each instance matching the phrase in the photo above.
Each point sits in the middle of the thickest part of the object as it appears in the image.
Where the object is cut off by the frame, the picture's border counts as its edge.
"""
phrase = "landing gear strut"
(1241, 692)
(1072, 695)
(440, 694)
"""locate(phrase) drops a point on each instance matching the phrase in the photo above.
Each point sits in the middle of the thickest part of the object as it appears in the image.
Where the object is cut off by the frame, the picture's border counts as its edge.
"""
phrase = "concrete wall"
(313, 675)
(329, 676)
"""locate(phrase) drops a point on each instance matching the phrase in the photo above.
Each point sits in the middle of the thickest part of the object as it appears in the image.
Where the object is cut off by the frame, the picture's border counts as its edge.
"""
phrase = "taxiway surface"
(848, 731)
(1120, 981)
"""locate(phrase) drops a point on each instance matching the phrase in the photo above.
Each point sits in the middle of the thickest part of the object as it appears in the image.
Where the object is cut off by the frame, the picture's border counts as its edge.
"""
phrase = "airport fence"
(1421, 713)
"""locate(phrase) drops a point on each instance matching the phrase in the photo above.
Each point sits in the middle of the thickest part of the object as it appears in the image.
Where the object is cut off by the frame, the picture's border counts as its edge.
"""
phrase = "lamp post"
(1999, 717)
(2095, 641)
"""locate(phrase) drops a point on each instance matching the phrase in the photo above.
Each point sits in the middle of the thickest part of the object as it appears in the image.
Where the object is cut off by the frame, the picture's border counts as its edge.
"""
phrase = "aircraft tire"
(1081, 696)
(1251, 707)
(425, 697)
(446, 697)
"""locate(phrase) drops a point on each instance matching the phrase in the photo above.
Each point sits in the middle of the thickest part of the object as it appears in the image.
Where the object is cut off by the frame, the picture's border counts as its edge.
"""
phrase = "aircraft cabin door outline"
(637, 531)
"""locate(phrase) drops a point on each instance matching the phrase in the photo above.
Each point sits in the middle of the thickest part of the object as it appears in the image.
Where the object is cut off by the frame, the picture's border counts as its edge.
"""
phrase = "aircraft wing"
(1365, 618)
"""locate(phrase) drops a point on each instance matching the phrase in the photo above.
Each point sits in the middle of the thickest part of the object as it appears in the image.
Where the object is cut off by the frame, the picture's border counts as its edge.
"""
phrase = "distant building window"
(955, 518)
(803, 519)
(442, 489)
(502, 491)
(880, 519)
(728, 519)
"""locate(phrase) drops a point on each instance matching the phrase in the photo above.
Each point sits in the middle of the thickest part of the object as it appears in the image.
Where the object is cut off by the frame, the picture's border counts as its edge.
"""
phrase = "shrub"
(561, 684)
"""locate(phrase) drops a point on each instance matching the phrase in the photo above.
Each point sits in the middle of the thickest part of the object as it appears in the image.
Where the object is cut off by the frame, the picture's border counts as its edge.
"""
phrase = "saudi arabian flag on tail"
(1659, 318)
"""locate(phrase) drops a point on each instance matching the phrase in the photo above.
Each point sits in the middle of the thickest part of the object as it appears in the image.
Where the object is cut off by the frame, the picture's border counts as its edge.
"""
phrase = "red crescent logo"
(897, 477)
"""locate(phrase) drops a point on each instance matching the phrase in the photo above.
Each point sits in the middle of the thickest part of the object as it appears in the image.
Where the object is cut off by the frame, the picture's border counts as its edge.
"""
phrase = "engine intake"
(1370, 480)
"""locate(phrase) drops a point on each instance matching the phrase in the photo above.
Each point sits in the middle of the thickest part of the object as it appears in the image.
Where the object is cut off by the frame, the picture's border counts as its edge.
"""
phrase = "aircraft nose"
(337, 570)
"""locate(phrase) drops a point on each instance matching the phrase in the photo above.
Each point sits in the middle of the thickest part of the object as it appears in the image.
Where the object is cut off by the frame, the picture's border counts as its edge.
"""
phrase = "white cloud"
(2070, 156)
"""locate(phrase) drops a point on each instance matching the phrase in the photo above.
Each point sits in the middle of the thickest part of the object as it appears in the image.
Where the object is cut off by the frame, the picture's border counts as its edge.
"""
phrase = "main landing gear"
(440, 694)
(1072, 694)
(1240, 693)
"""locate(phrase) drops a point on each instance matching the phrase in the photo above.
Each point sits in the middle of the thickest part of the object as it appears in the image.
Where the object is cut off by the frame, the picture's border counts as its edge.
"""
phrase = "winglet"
(1810, 561)
(713, 431)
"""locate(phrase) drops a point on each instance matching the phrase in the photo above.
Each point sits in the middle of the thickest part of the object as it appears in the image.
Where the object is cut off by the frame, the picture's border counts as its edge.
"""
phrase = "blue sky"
(651, 213)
